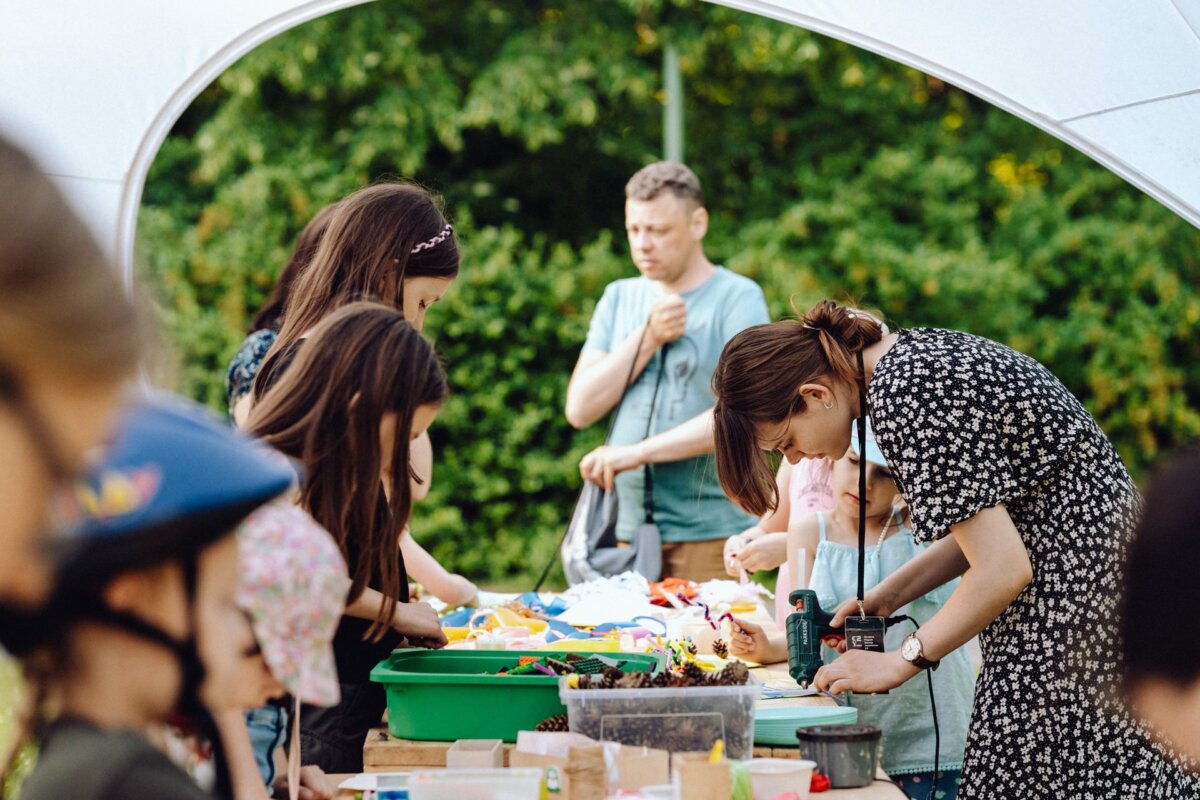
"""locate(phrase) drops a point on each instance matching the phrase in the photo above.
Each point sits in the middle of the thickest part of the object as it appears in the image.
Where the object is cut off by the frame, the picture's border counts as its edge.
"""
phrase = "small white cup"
(771, 777)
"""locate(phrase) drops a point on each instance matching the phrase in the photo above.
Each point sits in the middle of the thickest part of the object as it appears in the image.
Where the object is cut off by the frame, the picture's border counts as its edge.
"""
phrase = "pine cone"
(554, 724)
(633, 680)
(735, 673)
(720, 649)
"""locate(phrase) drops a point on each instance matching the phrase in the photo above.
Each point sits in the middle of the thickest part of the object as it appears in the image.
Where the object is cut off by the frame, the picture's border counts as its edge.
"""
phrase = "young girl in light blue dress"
(904, 715)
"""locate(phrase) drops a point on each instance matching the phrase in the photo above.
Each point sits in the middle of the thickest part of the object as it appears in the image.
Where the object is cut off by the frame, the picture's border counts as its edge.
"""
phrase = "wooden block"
(385, 753)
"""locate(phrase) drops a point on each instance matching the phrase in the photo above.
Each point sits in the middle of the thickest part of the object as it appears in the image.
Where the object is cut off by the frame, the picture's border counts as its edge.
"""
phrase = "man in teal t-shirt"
(688, 308)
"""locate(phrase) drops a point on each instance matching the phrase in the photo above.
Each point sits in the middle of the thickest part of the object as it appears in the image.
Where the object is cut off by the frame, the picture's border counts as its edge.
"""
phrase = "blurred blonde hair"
(63, 309)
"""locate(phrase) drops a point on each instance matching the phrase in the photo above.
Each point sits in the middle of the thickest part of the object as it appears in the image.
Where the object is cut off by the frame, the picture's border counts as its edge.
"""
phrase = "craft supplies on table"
(444, 695)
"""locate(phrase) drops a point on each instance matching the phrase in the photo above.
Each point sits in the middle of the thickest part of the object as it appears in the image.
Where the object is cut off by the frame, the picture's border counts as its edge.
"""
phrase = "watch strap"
(920, 661)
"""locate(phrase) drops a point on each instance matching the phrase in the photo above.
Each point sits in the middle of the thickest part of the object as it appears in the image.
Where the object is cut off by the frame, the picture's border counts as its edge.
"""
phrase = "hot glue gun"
(809, 626)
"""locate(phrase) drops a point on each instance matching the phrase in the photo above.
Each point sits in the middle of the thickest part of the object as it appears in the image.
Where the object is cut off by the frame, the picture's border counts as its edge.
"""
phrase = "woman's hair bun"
(853, 328)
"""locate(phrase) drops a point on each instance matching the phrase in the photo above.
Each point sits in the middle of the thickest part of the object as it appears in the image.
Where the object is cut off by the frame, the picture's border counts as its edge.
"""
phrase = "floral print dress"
(967, 424)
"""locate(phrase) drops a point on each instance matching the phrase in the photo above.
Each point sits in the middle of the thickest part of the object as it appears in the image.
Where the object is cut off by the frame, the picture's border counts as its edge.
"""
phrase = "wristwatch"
(912, 652)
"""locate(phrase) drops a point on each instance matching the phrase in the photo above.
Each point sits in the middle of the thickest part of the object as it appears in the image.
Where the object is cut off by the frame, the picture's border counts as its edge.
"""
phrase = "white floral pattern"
(967, 424)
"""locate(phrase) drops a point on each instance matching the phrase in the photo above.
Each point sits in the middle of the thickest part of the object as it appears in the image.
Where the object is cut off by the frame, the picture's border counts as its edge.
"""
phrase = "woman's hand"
(874, 605)
(864, 671)
(766, 552)
(751, 642)
(419, 623)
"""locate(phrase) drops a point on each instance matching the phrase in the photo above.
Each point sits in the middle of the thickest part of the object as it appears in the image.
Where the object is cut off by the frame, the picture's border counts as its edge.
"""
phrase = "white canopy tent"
(93, 88)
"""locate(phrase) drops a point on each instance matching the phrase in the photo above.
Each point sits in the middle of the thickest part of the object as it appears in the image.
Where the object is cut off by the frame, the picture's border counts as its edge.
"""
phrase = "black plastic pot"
(846, 754)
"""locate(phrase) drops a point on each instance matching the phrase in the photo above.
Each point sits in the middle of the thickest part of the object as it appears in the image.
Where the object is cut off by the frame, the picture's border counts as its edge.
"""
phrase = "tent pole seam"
(1184, 17)
(1134, 104)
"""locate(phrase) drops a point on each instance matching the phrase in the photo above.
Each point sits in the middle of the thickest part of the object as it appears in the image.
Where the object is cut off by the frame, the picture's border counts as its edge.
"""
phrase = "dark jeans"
(333, 738)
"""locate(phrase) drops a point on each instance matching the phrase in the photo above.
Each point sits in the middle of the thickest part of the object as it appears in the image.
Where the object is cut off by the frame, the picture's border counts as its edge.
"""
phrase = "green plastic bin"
(444, 695)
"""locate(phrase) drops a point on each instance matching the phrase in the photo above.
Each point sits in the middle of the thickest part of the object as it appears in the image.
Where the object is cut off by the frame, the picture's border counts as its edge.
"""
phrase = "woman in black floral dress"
(990, 448)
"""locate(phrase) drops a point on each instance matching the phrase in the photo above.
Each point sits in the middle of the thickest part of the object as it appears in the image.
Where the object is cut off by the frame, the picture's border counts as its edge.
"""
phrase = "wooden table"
(384, 753)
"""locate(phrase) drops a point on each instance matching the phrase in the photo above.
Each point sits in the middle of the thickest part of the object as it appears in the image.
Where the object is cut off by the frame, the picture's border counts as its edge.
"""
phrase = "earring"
(827, 405)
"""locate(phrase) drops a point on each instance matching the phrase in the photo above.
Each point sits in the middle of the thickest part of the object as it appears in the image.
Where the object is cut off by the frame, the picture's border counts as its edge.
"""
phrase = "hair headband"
(434, 242)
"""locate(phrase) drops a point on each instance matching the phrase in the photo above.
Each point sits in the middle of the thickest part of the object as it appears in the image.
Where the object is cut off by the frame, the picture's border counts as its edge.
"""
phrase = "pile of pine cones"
(733, 674)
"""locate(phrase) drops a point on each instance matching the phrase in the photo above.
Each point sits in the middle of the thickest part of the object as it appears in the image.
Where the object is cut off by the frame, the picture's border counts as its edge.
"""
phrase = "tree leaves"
(827, 171)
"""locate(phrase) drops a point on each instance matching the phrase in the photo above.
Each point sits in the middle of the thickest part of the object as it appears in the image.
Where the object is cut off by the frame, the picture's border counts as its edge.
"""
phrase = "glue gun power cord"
(937, 737)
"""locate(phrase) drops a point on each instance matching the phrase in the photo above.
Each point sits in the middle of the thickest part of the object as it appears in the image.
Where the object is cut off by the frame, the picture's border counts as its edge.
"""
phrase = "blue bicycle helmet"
(173, 481)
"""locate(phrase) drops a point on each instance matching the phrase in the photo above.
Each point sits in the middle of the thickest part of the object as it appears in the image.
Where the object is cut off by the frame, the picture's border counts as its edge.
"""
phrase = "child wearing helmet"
(142, 624)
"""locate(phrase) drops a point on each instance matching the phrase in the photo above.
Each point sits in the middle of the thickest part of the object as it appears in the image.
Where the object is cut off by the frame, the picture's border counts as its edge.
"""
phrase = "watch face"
(911, 649)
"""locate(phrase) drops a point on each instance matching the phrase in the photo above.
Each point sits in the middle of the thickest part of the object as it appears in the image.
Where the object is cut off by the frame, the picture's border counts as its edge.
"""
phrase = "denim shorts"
(268, 728)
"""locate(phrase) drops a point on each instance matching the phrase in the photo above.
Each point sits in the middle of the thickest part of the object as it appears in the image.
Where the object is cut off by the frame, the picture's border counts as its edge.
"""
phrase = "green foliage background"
(828, 171)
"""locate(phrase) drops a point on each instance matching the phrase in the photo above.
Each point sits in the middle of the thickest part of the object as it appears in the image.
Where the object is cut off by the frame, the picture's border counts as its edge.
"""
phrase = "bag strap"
(647, 473)
(612, 420)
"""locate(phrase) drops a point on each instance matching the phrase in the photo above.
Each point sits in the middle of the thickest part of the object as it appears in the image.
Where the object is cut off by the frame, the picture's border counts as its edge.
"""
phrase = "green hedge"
(828, 172)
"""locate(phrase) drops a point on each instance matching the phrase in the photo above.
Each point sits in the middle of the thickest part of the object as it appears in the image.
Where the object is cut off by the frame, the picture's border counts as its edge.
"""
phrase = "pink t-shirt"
(808, 492)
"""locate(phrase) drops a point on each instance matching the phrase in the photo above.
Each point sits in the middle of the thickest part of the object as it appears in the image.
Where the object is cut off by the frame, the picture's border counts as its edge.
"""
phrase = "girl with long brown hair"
(1020, 492)
(389, 242)
(363, 386)
(264, 328)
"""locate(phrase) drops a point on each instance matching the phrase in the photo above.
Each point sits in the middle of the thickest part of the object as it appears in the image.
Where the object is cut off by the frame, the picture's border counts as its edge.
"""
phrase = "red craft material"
(671, 587)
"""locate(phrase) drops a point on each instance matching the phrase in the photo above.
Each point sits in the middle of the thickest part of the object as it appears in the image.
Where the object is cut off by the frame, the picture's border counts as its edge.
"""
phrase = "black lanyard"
(862, 478)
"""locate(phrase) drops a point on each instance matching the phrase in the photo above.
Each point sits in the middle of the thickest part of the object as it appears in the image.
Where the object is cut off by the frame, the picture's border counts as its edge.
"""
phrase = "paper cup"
(771, 777)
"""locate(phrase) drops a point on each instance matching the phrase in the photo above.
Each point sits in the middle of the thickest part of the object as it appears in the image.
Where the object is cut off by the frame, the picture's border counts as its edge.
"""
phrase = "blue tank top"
(903, 714)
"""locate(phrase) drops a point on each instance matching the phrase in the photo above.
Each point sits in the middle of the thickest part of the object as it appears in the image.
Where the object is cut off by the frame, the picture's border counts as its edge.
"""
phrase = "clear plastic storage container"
(678, 720)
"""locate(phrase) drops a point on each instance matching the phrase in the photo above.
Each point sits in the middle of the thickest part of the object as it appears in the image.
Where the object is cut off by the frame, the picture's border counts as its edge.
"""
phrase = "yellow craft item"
(718, 750)
(742, 608)
(456, 634)
(511, 619)
(572, 681)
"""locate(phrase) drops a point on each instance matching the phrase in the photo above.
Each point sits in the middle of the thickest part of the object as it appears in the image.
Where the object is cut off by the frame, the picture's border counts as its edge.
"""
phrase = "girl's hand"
(314, 785)
(732, 545)
(864, 671)
(463, 592)
(419, 623)
(766, 552)
(751, 642)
